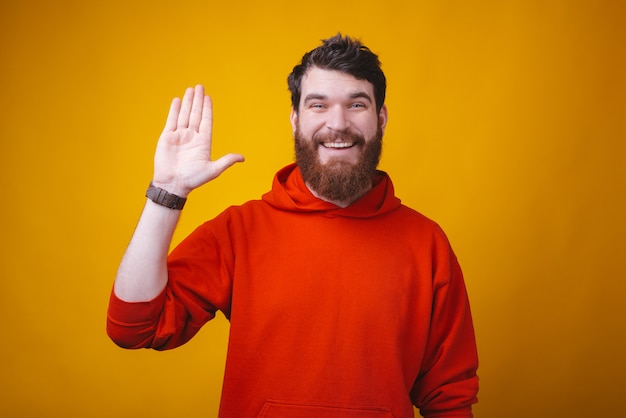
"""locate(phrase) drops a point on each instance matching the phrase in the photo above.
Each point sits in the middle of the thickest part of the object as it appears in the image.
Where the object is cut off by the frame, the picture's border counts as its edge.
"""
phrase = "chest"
(351, 271)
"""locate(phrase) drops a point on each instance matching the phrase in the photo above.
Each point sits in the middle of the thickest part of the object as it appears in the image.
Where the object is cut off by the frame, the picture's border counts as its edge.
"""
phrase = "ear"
(383, 117)
(294, 119)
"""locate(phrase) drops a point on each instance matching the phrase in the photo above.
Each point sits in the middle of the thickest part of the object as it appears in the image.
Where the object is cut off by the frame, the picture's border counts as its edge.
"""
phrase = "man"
(342, 301)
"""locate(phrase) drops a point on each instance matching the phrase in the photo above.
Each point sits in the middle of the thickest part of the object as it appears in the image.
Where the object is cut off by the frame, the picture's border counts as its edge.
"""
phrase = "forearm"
(142, 274)
(182, 163)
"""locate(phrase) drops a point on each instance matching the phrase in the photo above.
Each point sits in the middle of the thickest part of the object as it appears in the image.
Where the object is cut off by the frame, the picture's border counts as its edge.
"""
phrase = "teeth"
(338, 145)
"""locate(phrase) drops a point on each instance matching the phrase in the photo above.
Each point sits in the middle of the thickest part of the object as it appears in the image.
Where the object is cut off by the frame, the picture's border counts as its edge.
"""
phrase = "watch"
(164, 198)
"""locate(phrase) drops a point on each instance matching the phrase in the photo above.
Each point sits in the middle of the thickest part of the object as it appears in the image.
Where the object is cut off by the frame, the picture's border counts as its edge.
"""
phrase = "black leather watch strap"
(164, 198)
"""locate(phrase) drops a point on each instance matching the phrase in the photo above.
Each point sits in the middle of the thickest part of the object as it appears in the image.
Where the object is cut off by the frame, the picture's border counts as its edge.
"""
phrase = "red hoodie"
(334, 312)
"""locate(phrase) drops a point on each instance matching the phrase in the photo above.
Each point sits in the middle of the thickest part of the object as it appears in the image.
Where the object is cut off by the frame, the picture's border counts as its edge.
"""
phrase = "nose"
(337, 119)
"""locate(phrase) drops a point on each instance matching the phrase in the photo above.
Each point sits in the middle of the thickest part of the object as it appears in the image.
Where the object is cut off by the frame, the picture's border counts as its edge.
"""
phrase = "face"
(338, 134)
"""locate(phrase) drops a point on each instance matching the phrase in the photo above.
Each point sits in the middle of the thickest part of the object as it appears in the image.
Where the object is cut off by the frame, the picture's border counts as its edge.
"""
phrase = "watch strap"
(165, 198)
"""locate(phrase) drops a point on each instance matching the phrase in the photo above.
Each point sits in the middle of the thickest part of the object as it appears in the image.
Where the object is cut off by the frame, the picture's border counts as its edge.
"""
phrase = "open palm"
(183, 156)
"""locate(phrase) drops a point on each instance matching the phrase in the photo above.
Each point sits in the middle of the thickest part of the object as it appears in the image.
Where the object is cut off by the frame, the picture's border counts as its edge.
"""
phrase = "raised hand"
(182, 160)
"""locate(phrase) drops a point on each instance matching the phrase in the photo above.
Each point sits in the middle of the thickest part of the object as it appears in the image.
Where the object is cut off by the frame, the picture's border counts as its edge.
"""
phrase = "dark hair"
(345, 54)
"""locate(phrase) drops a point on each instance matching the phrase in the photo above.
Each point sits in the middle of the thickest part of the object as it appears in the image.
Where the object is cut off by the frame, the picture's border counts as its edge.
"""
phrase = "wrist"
(171, 187)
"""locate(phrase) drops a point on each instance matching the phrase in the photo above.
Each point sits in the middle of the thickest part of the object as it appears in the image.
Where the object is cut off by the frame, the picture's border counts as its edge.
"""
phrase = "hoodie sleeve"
(447, 384)
(199, 284)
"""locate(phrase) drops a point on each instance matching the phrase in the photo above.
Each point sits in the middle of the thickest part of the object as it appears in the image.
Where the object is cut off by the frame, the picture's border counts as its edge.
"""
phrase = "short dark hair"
(345, 54)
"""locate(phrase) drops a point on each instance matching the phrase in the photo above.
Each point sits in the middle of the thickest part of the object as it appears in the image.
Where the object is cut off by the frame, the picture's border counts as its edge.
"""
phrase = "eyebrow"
(314, 96)
(356, 95)
(361, 95)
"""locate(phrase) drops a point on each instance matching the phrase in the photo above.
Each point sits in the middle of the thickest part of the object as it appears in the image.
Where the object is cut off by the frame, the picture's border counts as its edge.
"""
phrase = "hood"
(290, 193)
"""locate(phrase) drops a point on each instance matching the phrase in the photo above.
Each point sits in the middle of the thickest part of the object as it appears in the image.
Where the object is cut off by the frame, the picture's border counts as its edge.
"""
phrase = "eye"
(358, 105)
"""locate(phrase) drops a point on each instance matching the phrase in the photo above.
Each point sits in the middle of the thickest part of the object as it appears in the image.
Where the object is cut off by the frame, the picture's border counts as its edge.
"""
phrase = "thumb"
(223, 163)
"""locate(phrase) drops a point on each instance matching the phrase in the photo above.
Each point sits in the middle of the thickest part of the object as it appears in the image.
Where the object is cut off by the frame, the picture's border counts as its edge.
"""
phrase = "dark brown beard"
(337, 180)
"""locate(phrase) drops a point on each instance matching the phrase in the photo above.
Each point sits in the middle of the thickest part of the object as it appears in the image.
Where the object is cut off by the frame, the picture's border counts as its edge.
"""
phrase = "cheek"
(367, 123)
(370, 130)
(309, 127)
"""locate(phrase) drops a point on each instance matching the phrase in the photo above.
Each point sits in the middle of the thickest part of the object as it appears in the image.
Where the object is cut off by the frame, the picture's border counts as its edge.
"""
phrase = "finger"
(172, 116)
(196, 108)
(206, 123)
(185, 109)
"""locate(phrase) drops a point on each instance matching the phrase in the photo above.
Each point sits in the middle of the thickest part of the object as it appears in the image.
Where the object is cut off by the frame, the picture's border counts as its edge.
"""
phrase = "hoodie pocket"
(284, 409)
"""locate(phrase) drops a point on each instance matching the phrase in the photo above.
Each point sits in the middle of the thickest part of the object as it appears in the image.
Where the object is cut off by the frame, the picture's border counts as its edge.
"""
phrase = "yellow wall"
(507, 126)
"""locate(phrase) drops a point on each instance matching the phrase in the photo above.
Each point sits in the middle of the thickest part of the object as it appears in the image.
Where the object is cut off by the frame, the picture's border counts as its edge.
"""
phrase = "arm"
(182, 163)
(447, 385)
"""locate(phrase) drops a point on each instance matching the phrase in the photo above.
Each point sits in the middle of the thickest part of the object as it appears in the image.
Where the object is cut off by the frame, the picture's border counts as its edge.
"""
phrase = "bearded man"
(342, 301)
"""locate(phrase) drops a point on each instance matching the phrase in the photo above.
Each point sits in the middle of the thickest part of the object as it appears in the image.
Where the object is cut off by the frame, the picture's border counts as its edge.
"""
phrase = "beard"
(338, 180)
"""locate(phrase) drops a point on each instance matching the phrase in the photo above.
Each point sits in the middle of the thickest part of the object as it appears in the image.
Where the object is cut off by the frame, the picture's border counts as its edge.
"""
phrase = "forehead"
(333, 83)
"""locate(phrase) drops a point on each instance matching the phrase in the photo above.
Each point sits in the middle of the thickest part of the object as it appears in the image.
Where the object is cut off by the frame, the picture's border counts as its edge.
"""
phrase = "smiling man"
(342, 301)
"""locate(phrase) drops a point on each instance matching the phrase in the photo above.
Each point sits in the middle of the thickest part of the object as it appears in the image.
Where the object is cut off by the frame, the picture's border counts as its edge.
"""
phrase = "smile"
(338, 145)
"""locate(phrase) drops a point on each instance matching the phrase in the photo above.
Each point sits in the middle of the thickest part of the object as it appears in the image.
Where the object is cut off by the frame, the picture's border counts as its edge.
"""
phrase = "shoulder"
(417, 227)
(416, 218)
(238, 217)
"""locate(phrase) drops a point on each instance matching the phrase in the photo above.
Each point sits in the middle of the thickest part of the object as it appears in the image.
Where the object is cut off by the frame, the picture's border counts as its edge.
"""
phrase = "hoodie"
(334, 312)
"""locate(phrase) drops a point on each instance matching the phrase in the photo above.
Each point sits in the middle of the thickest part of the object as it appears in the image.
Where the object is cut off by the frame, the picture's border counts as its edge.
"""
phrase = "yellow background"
(507, 126)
